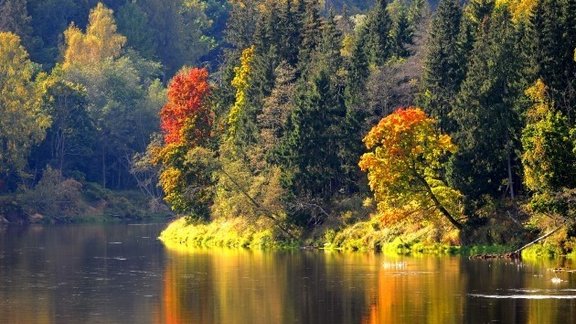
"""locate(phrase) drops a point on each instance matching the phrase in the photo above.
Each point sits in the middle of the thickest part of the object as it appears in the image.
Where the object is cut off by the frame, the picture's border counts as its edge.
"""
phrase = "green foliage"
(23, 122)
(443, 72)
(552, 40)
(232, 233)
(548, 157)
(487, 124)
(54, 197)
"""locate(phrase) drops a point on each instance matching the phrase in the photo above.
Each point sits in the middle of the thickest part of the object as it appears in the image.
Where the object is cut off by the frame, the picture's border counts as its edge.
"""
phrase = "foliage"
(548, 159)
(23, 122)
(185, 160)
(235, 233)
(186, 116)
(98, 43)
(487, 114)
(404, 165)
(241, 83)
(443, 71)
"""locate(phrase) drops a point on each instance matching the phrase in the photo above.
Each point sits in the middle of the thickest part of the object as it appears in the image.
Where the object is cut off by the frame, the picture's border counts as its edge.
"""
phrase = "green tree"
(133, 22)
(552, 30)
(179, 31)
(547, 156)
(23, 123)
(309, 151)
(442, 66)
(378, 26)
(69, 142)
(488, 127)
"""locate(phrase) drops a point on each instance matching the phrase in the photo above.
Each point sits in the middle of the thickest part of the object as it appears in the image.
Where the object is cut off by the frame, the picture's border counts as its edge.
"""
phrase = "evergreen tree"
(289, 26)
(401, 35)
(378, 24)
(442, 65)
(552, 29)
(14, 18)
(309, 151)
(487, 126)
(310, 34)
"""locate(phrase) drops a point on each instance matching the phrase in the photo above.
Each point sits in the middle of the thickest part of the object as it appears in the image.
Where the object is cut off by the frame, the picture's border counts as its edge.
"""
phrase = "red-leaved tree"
(186, 117)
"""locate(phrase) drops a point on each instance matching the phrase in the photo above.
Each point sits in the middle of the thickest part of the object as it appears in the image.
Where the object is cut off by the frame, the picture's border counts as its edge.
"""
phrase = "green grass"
(231, 233)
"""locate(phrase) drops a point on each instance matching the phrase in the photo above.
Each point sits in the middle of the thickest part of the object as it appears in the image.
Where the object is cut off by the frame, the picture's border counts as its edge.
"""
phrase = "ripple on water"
(524, 296)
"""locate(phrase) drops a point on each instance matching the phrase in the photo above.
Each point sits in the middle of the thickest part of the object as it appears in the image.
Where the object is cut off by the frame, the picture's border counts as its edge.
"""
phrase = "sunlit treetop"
(241, 82)
(520, 9)
(98, 43)
(186, 115)
(406, 152)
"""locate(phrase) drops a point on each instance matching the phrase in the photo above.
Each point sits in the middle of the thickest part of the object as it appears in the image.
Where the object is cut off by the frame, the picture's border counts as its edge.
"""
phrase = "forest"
(341, 124)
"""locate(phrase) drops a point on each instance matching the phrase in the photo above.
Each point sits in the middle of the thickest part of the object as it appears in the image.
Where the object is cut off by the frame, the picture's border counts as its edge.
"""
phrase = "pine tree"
(401, 35)
(289, 26)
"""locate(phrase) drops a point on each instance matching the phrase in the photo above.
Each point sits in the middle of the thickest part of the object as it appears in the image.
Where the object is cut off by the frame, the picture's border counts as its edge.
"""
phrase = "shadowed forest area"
(339, 124)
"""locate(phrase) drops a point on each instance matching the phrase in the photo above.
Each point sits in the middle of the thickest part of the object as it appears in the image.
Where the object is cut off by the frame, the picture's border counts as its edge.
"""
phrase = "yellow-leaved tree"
(100, 41)
(22, 121)
(404, 165)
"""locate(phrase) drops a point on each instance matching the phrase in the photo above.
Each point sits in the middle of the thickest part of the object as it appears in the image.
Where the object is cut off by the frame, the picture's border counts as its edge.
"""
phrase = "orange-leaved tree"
(185, 159)
(404, 165)
(186, 116)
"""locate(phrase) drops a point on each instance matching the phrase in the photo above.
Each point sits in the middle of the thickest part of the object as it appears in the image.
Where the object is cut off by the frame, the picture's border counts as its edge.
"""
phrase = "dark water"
(122, 274)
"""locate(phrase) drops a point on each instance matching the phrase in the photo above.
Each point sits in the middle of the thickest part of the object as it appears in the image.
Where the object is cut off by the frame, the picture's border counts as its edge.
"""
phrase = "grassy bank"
(362, 236)
(231, 233)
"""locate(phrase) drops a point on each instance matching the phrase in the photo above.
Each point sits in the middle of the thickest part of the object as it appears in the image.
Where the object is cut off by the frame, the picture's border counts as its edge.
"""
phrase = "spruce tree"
(552, 30)
(310, 34)
(487, 126)
(378, 24)
(442, 66)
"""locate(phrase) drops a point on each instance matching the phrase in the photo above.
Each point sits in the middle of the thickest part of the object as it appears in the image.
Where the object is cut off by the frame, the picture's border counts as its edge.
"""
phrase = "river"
(122, 274)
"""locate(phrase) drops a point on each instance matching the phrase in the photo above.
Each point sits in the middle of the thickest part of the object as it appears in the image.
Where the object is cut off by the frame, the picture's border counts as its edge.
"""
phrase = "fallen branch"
(517, 252)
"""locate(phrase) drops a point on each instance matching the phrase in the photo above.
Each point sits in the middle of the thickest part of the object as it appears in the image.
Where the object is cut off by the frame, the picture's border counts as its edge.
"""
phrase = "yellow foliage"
(520, 9)
(22, 120)
(100, 41)
(241, 82)
(406, 150)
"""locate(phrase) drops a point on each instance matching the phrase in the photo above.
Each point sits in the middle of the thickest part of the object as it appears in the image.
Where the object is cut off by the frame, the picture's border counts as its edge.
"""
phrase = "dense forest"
(297, 117)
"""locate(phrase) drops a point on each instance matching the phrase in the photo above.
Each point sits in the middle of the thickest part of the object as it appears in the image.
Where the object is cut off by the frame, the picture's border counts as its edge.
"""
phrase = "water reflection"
(121, 274)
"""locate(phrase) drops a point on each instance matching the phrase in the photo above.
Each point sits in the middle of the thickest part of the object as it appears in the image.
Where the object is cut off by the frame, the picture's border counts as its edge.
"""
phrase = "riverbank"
(74, 202)
(495, 236)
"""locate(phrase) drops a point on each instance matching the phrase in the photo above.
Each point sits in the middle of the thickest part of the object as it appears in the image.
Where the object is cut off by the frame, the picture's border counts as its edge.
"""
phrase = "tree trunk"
(437, 202)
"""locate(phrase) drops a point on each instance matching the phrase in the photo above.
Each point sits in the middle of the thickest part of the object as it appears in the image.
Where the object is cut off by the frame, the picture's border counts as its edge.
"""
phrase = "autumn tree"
(405, 162)
(23, 123)
(117, 84)
(186, 160)
(100, 41)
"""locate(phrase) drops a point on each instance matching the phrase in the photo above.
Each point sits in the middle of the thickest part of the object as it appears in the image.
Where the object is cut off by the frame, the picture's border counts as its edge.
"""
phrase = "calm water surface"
(122, 274)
